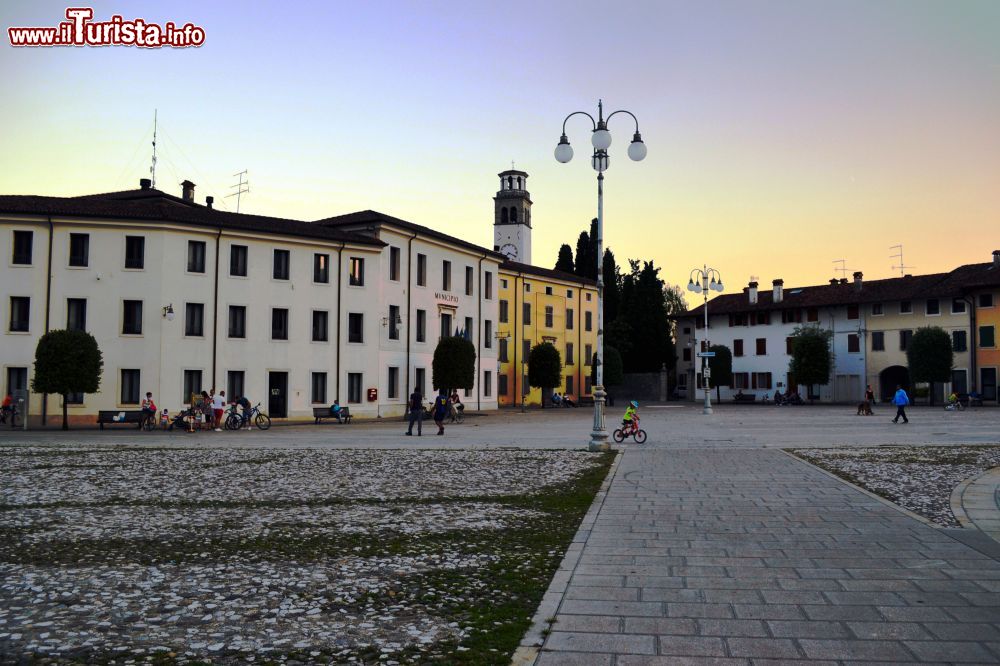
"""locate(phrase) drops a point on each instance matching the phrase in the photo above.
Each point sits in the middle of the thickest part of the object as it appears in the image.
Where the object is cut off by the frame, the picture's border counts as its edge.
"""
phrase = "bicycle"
(630, 430)
(235, 421)
(148, 422)
(10, 413)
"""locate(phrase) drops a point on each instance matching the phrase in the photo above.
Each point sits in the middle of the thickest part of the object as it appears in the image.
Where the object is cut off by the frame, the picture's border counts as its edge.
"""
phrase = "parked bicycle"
(9, 415)
(149, 421)
(630, 430)
(236, 420)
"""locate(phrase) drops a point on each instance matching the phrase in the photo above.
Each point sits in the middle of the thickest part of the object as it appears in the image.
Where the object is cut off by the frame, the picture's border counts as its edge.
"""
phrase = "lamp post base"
(707, 409)
(599, 435)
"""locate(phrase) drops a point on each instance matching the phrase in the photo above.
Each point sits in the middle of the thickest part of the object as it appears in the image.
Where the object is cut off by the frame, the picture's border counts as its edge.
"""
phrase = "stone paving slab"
(976, 503)
(748, 556)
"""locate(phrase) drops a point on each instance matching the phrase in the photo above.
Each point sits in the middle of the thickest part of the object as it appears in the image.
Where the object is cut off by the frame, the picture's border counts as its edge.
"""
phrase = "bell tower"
(512, 217)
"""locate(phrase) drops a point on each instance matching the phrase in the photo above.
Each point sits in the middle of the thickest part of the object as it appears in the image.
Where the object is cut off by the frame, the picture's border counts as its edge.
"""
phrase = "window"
(74, 398)
(468, 280)
(196, 257)
(469, 328)
(959, 342)
(17, 380)
(877, 310)
(394, 321)
(357, 276)
(588, 355)
(22, 247)
(504, 311)
(526, 314)
(791, 316)
(194, 319)
(487, 383)
(957, 306)
(502, 385)
(488, 334)
(686, 355)
(79, 250)
(237, 321)
(527, 287)
(446, 275)
(282, 263)
(549, 316)
(420, 380)
(789, 346)
(738, 347)
(569, 353)
(525, 349)
(812, 314)
(987, 337)
(446, 328)
(394, 265)
(682, 380)
(135, 252)
(904, 339)
(761, 347)
(132, 318)
(878, 341)
(588, 321)
(129, 388)
(354, 387)
(488, 285)
(76, 314)
(355, 327)
(192, 385)
(741, 380)
(852, 311)
(238, 255)
(569, 319)
(985, 300)
(853, 343)
(320, 326)
(319, 388)
(392, 387)
(421, 325)
(503, 283)
(503, 351)
(588, 300)
(761, 380)
(687, 330)
(933, 307)
(279, 323)
(234, 384)
(587, 385)
(422, 270)
(321, 269)
(569, 385)
(20, 312)
(905, 307)
(988, 383)
(548, 291)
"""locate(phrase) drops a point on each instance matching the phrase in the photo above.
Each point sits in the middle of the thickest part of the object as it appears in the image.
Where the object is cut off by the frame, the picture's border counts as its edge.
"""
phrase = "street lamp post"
(701, 281)
(600, 138)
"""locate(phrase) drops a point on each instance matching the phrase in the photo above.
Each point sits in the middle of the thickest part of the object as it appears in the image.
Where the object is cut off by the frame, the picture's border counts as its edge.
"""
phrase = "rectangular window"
(987, 337)
(525, 350)
(957, 306)
(421, 270)
(587, 385)
(761, 347)
(446, 328)
(321, 326)
(135, 252)
(933, 307)
(588, 321)
(738, 347)
(527, 287)
(469, 328)
(357, 276)
(20, 314)
(192, 385)
(905, 307)
(22, 247)
(548, 291)
(569, 385)
(394, 264)
(503, 283)
(132, 318)
(853, 343)
(526, 314)
(877, 310)
(196, 257)
(394, 322)
(570, 315)
(354, 387)
(904, 339)
(686, 355)
(194, 320)
(468, 280)
(76, 314)
(741, 380)
(761, 380)
(488, 286)
(503, 351)
(852, 311)
(420, 380)
(502, 385)
(588, 355)
(238, 259)
(959, 342)
(237, 321)
(985, 300)
(130, 388)
(355, 327)
(279, 323)
(321, 268)
(569, 293)
(234, 385)
(549, 316)
(504, 311)
(569, 354)
(79, 250)
(446, 275)
(319, 388)
(488, 334)
(487, 383)
(392, 387)
(812, 314)
(421, 325)
(282, 264)
(878, 341)
(74, 398)
(588, 300)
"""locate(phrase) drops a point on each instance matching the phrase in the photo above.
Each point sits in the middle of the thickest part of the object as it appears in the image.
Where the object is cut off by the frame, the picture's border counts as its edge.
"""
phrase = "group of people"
(206, 410)
(442, 407)
(562, 400)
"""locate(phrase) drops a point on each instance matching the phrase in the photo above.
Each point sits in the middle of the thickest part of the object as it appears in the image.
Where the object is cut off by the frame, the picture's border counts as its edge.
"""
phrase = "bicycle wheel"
(639, 436)
(149, 424)
(232, 422)
(263, 421)
(619, 436)
(460, 418)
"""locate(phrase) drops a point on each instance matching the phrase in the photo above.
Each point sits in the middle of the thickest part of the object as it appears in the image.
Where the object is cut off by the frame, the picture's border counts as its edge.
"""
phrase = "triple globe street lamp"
(600, 139)
(703, 280)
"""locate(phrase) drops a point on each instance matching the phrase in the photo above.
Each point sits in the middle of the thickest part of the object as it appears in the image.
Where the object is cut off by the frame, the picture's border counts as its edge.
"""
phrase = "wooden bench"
(320, 413)
(111, 416)
(746, 397)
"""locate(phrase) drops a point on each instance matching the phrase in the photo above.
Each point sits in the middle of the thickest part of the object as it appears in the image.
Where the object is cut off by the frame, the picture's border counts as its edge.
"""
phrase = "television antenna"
(152, 166)
(842, 269)
(899, 255)
(242, 187)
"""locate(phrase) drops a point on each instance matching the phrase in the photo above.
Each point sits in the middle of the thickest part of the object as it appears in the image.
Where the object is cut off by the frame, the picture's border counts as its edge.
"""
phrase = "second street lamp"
(701, 281)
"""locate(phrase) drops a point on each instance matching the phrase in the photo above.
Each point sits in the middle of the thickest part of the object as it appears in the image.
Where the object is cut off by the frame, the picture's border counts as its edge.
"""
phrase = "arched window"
(527, 217)
(513, 216)
(510, 182)
(503, 215)
(519, 183)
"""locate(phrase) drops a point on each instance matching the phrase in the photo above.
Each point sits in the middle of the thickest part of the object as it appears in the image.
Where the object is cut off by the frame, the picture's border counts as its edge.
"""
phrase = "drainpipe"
(215, 309)
(340, 298)
(479, 344)
(409, 314)
(973, 383)
(518, 375)
(48, 298)
(580, 380)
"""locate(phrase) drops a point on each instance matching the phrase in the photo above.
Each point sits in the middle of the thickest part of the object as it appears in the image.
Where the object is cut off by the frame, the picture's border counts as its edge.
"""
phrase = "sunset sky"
(781, 135)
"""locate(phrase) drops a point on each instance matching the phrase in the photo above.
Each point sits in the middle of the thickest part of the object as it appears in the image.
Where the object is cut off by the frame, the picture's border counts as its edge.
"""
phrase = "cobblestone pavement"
(752, 557)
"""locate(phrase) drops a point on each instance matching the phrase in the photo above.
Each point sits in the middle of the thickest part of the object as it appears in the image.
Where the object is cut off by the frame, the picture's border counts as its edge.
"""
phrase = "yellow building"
(542, 305)
(980, 286)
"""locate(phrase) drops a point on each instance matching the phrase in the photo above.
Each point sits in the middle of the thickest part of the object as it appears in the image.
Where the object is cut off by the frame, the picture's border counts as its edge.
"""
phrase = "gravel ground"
(313, 556)
(918, 478)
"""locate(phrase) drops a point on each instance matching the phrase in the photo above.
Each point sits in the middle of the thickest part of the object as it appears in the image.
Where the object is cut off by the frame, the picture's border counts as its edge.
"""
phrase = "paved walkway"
(978, 503)
(743, 557)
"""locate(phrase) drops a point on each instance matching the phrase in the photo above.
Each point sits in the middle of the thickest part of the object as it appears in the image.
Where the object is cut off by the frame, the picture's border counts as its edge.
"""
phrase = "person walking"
(901, 400)
(218, 408)
(440, 411)
(415, 408)
(870, 398)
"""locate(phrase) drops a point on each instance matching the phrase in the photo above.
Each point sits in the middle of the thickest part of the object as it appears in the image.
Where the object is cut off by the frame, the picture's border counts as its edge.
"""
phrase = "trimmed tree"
(614, 370)
(812, 358)
(930, 357)
(544, 368)
(722, 368)
(565, 261)
(67, 362)
(454, 364)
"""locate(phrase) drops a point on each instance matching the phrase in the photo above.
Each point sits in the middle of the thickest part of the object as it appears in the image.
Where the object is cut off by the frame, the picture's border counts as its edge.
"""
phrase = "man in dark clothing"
(415, 407)
(440, 411)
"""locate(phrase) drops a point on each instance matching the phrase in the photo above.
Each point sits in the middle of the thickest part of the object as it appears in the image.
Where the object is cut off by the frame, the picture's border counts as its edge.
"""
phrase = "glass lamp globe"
(718, 286)
(564, 151)
(601, 138)
(711, 285)
(690, 285)
(637, 149)
(600, 162)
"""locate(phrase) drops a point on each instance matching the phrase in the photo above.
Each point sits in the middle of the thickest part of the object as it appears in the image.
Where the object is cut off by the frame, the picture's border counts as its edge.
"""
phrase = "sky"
(781, 136)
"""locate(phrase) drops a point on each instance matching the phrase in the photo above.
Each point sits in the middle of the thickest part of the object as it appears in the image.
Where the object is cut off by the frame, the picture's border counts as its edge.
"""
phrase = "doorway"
(889, 378)
(988, 383)
(277, 395)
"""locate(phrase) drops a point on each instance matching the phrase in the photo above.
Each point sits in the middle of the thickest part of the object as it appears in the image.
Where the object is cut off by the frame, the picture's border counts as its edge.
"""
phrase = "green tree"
(614, 371)
(584, 259)
(565, 261)
(930, 357)
(643, 308)
(812, 358)
(721, 367)
(544, 368)
(454, 364)
(67, 362)
(612, 286)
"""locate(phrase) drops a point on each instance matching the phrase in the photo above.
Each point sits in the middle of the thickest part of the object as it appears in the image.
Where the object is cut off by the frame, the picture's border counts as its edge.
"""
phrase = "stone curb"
(527, 651)
(976, 503)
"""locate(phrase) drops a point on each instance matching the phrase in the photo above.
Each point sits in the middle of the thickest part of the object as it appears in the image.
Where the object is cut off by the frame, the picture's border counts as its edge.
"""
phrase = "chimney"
(145, 183)
(996, 258)
(753, 293)
(857, 280)
(779, 289)
(209, 201)
(833, 281)
(187, 191)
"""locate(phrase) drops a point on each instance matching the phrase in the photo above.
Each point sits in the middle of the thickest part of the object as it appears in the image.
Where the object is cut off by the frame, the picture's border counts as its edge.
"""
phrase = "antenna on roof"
(902, 267)
(843, 267)
(152, 167)
(242, 187)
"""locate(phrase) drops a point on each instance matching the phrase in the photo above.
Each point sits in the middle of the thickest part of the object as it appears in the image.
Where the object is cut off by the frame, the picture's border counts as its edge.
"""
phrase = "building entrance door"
(277, 395)
(988, 383)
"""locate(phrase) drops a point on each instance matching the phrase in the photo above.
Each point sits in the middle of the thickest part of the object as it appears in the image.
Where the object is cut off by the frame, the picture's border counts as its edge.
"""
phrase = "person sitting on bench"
(335, 411)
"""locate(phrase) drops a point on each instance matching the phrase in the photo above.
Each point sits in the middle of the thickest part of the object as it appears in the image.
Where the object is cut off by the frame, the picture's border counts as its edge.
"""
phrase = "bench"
(111, 416)
(320, 413)
(746, 397)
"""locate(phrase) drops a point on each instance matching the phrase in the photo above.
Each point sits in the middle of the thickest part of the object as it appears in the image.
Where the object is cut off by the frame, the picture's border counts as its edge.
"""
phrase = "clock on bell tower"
(512, 217)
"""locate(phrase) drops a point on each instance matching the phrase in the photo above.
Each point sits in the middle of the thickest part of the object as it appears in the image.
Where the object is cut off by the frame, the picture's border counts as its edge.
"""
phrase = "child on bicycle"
(148, 406)
(631, 418)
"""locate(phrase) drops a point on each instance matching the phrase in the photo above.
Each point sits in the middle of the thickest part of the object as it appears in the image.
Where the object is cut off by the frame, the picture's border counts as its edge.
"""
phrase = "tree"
(544, 368)
(643, 309)
(454, 364)
(614, 371)
(812, 358)
(565, 261)
(67, 362)
(612, 286)
(721, 367)
(584, 259)
(930, 356)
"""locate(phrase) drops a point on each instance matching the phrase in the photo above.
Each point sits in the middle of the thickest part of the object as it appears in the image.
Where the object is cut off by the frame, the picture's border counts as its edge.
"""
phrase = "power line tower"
(152, 166)
(899, 255)
(242, 187)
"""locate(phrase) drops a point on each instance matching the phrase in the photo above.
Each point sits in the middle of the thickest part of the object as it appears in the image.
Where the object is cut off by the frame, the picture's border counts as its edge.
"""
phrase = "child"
(165, 418)
(631, 414)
